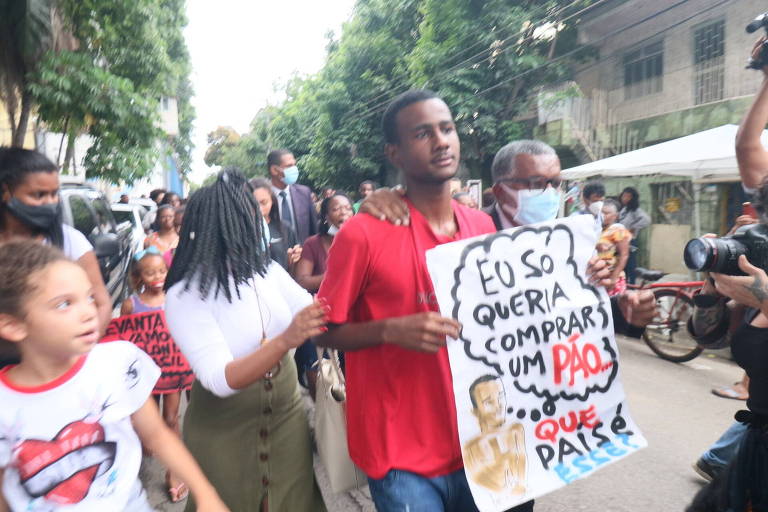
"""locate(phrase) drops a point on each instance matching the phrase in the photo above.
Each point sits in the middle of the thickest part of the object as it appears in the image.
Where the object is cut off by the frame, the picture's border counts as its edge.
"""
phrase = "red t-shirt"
(401, 412)
(314, 251)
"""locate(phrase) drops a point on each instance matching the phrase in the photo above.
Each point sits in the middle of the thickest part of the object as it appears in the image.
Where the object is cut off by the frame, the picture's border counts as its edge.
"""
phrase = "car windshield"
(121, 217)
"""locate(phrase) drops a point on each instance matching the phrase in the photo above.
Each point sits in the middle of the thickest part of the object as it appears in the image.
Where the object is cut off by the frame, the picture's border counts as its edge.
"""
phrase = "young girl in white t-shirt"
(74, 414)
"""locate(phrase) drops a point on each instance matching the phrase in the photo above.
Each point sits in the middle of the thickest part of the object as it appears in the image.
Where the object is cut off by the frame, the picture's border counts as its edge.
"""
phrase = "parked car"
(148, 204)
(132, 214)
(88, 211)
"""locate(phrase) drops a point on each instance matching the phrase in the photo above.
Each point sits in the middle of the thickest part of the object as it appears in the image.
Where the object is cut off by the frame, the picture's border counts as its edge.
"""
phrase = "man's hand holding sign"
(535, 363)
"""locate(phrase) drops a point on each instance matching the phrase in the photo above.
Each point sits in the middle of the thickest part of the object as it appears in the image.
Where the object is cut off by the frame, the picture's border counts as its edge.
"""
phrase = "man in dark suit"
(294, 200)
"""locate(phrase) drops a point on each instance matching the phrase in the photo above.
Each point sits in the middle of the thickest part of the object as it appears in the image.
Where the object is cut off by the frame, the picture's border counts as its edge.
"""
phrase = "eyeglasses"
(535, 183)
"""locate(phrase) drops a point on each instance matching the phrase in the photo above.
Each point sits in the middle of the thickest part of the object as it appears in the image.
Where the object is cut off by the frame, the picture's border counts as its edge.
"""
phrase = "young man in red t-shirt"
(401, 414)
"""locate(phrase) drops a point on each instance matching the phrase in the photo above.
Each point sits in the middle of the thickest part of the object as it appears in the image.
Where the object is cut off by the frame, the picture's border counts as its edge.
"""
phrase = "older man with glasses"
(526, 184)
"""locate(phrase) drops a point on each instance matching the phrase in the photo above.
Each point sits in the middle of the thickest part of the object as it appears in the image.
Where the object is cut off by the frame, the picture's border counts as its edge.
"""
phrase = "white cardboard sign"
(536, 368)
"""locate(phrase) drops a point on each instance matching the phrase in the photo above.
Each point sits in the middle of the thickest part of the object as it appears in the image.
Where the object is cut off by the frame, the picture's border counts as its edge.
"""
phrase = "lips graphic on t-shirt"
(63, 469)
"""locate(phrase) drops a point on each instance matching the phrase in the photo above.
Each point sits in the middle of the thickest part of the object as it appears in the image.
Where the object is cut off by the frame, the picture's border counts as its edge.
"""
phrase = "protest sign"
(535, 371)
(149, 332)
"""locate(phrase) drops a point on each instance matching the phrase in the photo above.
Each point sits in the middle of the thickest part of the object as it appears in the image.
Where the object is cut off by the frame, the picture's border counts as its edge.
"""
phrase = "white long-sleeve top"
(211, 332)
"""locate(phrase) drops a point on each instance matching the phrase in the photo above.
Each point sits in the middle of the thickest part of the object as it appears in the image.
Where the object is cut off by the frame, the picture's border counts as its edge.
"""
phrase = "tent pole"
(696, 210)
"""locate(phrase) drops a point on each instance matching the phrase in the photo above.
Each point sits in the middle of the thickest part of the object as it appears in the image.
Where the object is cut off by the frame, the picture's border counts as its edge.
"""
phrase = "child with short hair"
(147, 279)
(74, 413)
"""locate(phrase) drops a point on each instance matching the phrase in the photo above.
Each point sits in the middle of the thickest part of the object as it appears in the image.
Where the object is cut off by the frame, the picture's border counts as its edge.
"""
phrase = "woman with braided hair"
(236, 316)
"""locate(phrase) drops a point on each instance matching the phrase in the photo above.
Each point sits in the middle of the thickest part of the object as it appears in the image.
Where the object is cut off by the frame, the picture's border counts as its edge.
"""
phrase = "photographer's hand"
(750, 154)
(756, 51)
(743, 220)
(750, 290)
(709, 285)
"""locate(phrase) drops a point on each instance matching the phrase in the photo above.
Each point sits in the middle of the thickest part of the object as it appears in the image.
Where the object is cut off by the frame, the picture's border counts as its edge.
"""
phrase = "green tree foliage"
(220, 140)
(485, 57)
(28, 29)
(174, 20)
(108, 85)
(503, 33)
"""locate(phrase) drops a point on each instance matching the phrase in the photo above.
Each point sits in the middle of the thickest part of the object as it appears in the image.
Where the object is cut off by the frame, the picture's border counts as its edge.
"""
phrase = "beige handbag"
(331, 425)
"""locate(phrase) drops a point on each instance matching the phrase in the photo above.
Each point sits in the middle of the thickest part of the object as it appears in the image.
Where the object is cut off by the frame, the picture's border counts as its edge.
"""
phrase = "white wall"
(678, 81)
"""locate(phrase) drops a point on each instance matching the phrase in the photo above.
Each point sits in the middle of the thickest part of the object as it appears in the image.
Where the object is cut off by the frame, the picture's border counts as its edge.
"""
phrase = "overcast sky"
(242, 48)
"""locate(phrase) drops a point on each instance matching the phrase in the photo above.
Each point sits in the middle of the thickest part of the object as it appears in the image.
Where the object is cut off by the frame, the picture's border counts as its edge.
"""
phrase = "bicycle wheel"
(667, 334)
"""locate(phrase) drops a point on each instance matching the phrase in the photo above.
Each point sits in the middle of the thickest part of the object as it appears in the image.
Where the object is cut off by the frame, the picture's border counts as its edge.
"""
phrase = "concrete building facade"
(663, 69)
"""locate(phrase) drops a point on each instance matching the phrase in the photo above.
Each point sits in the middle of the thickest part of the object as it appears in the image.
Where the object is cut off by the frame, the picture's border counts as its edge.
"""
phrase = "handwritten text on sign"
(535, 370)
(149, 332)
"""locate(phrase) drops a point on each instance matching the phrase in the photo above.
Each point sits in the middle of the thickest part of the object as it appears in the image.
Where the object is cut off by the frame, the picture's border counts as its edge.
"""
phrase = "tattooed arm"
(711, 319)
(750, 290)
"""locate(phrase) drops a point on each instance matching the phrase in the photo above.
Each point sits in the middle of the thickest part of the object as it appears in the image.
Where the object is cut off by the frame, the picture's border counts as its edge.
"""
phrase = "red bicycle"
(667, 335)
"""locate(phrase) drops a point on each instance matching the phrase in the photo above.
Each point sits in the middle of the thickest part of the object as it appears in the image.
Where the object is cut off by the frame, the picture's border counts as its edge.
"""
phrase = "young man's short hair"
(275, 156)
(389, 120)
(591, 189)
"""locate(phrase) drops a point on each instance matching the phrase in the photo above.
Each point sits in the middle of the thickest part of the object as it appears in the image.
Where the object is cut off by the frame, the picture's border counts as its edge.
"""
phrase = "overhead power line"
(391, 93)
(575, 50)
(603, 38)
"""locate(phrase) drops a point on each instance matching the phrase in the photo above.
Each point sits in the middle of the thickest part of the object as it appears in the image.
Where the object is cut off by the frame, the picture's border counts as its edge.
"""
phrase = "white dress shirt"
(287, 191)
(211, 332)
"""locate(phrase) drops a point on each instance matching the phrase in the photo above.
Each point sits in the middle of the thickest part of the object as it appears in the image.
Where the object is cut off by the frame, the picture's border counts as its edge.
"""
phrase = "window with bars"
(709, 62)
(643, 70)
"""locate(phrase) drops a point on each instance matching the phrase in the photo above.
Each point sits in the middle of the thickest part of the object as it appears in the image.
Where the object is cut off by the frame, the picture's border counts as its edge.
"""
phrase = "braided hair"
(221, 239)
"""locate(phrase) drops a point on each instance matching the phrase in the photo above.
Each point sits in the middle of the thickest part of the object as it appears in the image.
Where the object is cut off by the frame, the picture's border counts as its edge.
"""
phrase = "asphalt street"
(674, 408)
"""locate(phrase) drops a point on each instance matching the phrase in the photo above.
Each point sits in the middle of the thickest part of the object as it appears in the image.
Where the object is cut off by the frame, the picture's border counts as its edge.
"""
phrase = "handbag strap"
(335, 363)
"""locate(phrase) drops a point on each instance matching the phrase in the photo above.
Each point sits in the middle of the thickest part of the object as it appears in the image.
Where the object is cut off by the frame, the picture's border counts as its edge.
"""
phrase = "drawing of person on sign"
(496, 458)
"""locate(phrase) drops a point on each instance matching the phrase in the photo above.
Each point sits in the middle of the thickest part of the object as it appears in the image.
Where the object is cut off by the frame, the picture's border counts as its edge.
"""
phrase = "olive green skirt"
(255, 444)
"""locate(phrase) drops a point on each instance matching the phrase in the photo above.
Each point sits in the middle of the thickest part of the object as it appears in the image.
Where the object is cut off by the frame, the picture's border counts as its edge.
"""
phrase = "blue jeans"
(629, 269)
(724, 449)
(403, 491)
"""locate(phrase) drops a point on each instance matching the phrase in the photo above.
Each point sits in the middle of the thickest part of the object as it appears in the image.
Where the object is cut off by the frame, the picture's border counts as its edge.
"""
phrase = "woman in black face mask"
(29, 208)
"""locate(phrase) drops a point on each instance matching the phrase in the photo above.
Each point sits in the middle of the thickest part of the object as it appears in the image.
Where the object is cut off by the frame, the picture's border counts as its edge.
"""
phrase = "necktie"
(285, 209)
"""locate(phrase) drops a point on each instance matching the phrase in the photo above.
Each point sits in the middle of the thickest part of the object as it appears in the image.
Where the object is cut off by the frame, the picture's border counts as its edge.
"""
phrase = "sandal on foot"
(733, 392)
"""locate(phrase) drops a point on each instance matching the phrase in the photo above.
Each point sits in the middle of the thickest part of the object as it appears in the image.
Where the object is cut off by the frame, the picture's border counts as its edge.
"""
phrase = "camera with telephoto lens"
(756, 24)
(721, 255)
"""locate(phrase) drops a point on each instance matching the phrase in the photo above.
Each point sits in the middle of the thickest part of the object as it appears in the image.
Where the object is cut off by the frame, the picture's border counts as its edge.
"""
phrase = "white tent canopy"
(710, 153)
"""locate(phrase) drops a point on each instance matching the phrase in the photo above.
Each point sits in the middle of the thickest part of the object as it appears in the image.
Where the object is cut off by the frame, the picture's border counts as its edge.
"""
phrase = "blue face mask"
(290, 175)
(535, 206)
